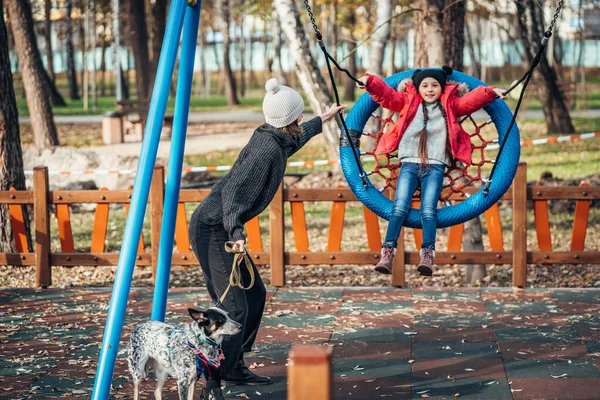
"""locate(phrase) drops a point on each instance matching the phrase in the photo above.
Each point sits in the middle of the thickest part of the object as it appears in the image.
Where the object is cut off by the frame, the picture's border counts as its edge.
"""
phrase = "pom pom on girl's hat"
(282, 105)
(436, 74)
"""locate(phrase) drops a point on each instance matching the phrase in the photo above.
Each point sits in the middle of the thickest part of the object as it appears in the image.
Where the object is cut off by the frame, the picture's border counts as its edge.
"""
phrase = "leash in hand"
(235, 278)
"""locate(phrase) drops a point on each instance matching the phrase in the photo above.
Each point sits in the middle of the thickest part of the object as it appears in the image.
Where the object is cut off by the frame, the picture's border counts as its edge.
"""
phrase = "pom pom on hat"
(447, 70)
(282, 105)
(272, 86)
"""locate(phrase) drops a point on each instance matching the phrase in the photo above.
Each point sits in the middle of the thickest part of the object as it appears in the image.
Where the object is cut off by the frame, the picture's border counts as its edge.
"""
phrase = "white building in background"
(494, 47)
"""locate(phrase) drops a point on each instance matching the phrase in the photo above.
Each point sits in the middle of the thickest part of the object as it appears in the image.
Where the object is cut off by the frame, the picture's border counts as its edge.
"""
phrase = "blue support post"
(139, 199)
(182, 107)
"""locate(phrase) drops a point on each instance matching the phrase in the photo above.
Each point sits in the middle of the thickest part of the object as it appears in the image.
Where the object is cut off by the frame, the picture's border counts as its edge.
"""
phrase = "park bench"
(135, 114)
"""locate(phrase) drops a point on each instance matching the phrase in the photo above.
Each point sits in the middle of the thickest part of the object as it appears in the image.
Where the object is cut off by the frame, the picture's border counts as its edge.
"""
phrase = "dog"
(182, 353)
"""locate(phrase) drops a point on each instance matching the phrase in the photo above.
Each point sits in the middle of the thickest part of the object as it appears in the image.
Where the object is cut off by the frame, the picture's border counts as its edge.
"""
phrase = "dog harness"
(204, 365)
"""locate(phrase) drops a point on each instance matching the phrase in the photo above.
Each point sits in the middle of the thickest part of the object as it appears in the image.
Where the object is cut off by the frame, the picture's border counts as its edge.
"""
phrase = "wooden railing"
(277, 257)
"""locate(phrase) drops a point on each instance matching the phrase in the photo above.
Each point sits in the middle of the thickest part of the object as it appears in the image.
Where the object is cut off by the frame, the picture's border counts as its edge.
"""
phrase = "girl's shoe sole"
(383, 270)
(424, 270)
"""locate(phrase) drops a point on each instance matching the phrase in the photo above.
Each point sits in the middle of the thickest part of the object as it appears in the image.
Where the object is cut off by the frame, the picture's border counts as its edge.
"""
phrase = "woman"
(241, 195)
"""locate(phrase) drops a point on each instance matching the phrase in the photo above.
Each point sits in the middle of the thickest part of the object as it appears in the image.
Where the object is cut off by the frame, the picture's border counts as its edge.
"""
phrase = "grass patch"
(573, 159)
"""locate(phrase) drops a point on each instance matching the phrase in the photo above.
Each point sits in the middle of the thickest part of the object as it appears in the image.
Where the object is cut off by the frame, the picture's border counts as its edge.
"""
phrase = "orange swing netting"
(457, 177)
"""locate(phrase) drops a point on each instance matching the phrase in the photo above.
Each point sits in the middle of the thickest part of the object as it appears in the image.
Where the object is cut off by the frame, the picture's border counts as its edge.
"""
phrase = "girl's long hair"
(423, 135)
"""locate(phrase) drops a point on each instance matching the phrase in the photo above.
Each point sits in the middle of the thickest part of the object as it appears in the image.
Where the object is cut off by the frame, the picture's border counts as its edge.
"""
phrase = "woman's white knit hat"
(282, 105)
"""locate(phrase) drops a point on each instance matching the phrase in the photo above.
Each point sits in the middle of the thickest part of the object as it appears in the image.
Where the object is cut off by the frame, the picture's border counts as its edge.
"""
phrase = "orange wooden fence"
(277, 257)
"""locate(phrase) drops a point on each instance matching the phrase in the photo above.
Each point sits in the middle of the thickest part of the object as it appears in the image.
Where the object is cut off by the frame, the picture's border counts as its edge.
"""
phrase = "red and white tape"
(314, 163)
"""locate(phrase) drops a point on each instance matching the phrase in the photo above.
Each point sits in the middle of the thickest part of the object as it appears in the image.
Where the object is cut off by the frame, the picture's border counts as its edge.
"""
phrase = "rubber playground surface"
(387, 343)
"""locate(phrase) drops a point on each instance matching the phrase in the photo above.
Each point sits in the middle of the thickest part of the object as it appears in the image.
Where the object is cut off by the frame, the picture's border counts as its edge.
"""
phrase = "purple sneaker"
(384, 265)
(425, 267)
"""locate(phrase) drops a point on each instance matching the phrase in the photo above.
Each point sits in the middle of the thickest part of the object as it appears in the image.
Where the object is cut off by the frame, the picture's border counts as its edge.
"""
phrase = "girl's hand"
(333, 110)
(363, 82)
(238, 246)
(500, 92)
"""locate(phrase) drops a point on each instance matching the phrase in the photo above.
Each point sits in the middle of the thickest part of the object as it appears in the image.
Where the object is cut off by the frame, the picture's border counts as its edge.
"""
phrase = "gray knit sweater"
(251, 184)
(437, 134)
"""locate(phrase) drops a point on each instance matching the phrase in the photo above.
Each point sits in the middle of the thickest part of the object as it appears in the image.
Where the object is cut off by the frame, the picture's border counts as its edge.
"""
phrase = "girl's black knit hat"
(438, 75)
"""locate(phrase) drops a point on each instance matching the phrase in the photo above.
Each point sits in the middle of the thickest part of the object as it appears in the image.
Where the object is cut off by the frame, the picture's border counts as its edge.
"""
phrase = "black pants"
(243, 306)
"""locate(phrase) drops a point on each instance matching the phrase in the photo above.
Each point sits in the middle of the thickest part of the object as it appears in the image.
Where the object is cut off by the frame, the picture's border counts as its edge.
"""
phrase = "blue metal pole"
(182, 107)
(139, 199)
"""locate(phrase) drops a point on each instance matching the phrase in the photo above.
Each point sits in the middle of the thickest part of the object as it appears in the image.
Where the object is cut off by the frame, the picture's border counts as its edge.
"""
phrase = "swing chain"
(525, 79)
(554, 19)
(329, 58)
(313, 22)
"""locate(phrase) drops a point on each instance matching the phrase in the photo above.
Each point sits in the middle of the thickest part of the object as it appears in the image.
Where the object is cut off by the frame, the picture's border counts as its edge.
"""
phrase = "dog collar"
(207, 341)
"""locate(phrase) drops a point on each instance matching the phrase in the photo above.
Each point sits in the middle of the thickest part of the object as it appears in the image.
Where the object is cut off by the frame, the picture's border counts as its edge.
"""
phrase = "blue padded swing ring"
(468, 209)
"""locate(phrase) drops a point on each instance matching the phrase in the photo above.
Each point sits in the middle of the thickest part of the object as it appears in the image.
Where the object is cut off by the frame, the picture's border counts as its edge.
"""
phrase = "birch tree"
(307, 70)
(380, 37)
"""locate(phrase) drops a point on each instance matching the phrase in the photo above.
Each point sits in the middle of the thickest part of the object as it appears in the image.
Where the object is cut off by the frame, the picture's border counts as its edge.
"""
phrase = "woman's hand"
(363, 82)
(500, 93)
(333, 110)
(238, 246)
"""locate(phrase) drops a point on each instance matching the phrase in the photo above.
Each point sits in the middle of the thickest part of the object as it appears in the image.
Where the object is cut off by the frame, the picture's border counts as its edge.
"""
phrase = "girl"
(241, 195)
(427, 137)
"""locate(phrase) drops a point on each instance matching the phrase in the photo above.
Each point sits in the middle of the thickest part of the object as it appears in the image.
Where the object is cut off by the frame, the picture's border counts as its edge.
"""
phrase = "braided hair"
(423, 134)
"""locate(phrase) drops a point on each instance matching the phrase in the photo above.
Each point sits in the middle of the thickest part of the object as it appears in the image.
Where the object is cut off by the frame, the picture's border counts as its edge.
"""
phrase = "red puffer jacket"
(407, 104)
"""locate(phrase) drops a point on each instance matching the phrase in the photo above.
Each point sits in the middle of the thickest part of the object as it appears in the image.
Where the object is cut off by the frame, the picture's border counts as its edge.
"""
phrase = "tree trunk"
(349, 83)
(200, 82)
(379, 37)
(103, 66)
(71, 74)
(33, 73)
(251, 76)
(307, 69)
(473, 241)
(274, 28)
(230, 84)
(454, 33)
(242, 42)
(138, 34)
(48, 38)
(11, 159)
(475, 65)
(159, 21)
(276, 64)
(82, 47)
(556, 112)
(56, 98)
(429, 38)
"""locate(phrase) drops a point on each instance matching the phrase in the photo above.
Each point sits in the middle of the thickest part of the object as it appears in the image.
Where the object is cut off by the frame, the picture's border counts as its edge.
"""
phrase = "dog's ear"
(199, 316)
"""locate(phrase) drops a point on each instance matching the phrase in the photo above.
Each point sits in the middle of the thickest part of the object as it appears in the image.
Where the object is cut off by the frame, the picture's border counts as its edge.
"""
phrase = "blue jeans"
(431, 179)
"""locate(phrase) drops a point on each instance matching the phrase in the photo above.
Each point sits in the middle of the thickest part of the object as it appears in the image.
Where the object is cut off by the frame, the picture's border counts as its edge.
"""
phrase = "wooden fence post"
(399, 263)
(277, 238)
(519, 194)
(157, 199)
(41, 193)
(309, 373)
